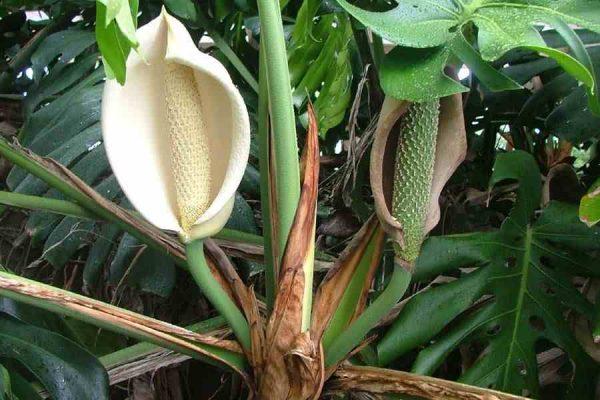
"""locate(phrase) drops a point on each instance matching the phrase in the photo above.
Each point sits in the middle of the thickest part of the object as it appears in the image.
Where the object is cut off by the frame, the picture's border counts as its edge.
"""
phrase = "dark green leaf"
(413, 23)
(572, 120)
(72, 233)
(67, 371)
(62, 46)
(519, 165)
(242, 217)
(417, 74)
(142, 268)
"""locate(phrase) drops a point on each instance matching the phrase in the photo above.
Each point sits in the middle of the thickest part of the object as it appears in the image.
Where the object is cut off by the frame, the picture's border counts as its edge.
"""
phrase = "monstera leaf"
(444, 28)
(511, 294)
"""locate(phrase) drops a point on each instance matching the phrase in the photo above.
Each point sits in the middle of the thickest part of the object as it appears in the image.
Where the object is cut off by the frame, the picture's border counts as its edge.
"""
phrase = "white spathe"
(137, 138)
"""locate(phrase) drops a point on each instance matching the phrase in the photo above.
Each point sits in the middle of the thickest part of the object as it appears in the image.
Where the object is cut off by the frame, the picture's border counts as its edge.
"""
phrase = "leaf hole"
(537, 323)
(521, 368)
(493, 330)
(510, 262)
(545, 261)
(549, 290)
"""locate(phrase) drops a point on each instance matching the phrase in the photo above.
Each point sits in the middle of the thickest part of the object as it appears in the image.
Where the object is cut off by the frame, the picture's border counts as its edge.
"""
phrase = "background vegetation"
(505, 291)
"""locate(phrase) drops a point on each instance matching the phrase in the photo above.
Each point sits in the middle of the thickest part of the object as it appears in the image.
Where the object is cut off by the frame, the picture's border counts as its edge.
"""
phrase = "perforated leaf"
(521, 283)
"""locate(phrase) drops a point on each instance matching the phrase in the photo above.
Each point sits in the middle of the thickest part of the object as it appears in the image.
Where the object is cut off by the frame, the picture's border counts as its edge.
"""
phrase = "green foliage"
(62, 121)
(66, 370)
(319, 62)
(501, 26)
(116, 22)
(509, 289)
(510, 297)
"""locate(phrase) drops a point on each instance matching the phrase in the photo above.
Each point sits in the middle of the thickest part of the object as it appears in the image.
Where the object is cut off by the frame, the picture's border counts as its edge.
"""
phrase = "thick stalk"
(215, 293)
(358, 330)
(286, 170)
(57, 206)
(264, 140)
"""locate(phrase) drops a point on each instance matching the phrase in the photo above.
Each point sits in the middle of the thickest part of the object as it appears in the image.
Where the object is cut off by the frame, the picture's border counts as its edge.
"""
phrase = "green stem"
(377, 50)
(283, 124)
(69, 208)
(139, 350)
(215, 293)
(114, 326)
(352, 295)
(63, 207)
(264, 139)
(358, 330)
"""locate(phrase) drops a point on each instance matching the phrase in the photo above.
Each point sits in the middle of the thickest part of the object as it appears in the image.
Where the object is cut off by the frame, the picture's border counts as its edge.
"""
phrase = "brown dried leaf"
(116, 214)
(381, 381)
(292, 362)
(114, 316)
(382, 157)
(379, 238)
(562, 184)
(450, 151)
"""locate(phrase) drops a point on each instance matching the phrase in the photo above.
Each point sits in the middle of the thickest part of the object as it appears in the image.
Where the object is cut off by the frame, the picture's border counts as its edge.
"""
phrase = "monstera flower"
(177, 133)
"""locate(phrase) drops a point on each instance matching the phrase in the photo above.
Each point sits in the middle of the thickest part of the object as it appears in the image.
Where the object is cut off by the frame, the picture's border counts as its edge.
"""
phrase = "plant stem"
(63, 207)
(49, 297)
(264, 140)
(69, 208)
(215, 293)
(359, 329)
(283, 125)
(377, 49)
(352, 293)
(139, 350)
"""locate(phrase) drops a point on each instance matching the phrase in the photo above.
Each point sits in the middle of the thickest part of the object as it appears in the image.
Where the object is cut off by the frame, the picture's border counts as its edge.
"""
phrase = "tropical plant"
(440, 218)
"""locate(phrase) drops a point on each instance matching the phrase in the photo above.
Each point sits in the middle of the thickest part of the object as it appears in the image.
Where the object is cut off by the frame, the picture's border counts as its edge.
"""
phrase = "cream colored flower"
(177, 133)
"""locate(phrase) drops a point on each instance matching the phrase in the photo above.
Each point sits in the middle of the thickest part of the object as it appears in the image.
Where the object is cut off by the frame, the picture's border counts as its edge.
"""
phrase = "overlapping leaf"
(319, 62)
(501, 26)
(116, 22)
(520, 283)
